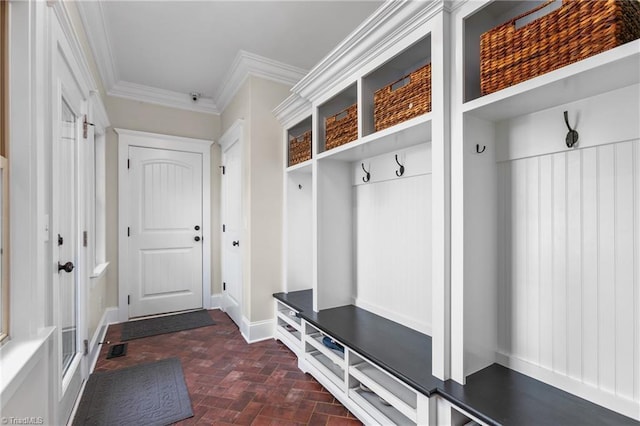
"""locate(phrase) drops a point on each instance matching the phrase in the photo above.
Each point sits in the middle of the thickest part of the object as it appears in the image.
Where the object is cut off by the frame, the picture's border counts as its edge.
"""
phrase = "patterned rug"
(168, 324)
(147, 394)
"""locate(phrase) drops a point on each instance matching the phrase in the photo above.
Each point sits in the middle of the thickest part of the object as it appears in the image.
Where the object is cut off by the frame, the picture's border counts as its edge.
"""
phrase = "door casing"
(127, 138)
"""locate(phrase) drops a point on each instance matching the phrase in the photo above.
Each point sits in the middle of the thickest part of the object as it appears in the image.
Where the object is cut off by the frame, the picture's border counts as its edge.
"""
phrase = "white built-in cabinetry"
(368, 242)
(545, 238)
(499, 241)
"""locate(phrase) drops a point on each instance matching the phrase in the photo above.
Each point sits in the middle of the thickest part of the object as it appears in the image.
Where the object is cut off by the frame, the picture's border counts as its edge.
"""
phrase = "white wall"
(262, 194)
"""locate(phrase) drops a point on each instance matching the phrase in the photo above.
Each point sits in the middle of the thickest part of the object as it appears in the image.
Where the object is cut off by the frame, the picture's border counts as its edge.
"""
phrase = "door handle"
(196, 238)
(236, 243)
(67, 267)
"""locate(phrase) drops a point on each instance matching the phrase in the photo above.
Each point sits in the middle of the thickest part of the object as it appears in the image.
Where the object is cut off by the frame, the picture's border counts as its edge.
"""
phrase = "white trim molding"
(110, 316)
(257, 331)
(248, 64)
(391, 22)
(244, 65)
(168, 98)
(216, 301)
(92, 16)
(292, 110)
(87, 82)
(160, 141)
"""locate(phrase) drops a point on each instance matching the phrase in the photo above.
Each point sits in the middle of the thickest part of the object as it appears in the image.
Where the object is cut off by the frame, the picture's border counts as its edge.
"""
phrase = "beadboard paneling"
(569, 262)
(299, 232)
(394, 249)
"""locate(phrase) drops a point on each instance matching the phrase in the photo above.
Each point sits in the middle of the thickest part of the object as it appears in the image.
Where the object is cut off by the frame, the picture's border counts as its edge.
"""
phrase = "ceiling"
(161, 51)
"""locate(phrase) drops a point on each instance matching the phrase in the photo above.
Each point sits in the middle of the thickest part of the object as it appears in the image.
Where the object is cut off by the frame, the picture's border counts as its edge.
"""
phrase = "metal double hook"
(399, 172)
(367, 178)
(572, 135)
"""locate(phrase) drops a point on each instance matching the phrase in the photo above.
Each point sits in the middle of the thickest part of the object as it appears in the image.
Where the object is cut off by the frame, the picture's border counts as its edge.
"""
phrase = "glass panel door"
(67, 237)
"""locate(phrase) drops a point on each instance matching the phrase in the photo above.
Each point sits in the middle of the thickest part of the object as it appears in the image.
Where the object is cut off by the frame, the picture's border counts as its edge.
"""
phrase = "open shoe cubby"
(288, 327)
(330, 362)
(392, 400)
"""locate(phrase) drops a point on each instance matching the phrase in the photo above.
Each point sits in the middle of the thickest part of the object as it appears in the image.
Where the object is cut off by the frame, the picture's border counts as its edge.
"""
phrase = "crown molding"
(390, 23)
(168, 98)
(292, 110)
(92, 17)
(87, 82)
(244, 65)
(248, 64)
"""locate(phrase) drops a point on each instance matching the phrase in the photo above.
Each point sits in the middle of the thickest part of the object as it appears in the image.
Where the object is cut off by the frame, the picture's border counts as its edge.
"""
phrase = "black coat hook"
(367, 178)
(478, 149)
(572, 136)
(299, 186)
(401, 171)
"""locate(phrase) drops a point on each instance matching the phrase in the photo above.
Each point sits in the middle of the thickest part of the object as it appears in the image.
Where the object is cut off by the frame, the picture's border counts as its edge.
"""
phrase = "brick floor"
(232, 382)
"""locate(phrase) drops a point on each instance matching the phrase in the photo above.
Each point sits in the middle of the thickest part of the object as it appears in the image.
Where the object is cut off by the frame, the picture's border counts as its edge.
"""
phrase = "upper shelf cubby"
(299, 140)
(513, 48)
(398, 90)
(483, 20)
(340, 115)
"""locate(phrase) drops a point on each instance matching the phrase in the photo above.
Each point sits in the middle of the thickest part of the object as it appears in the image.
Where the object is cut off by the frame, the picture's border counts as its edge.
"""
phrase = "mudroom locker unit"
(485, 243)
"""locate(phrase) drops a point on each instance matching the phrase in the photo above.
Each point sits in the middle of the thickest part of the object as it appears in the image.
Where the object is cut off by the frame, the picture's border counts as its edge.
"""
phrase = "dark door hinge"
(128, 163)
(128, 231)
(224, 228)
(60, 240)
(86, 347)
(85, 238)
(224, 169)
(85, 127)
(224, 286)
(128, 299)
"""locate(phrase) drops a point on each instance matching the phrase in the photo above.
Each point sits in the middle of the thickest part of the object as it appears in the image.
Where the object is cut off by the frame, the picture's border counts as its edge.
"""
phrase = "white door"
(68, 299)
(232, 243)
(165, 234)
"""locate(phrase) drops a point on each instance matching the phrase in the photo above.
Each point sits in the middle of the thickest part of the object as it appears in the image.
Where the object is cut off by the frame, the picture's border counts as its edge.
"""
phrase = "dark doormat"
(147, 394)
(169, 324)
(118, 350)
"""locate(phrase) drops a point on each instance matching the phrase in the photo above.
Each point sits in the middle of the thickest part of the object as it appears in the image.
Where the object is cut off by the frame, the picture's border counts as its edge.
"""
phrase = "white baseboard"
(110, 316)
(257, 331)
(216, 301)
(623, 406)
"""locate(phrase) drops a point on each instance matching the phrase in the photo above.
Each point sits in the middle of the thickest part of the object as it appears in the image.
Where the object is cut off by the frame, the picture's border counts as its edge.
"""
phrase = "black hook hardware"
(401, 171)
(478, 149)
(299, 186)
(368, 177)
(572, 136)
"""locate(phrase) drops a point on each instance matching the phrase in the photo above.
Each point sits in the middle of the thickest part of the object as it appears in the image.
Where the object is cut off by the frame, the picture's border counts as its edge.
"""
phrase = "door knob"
(67, 267)
(196, 238)
(236, 243)
(197, 228)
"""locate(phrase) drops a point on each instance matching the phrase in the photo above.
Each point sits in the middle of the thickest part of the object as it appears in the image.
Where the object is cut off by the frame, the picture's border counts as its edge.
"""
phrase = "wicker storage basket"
(395, 105)
(341, 127)
(300, 148)
(577, 30)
